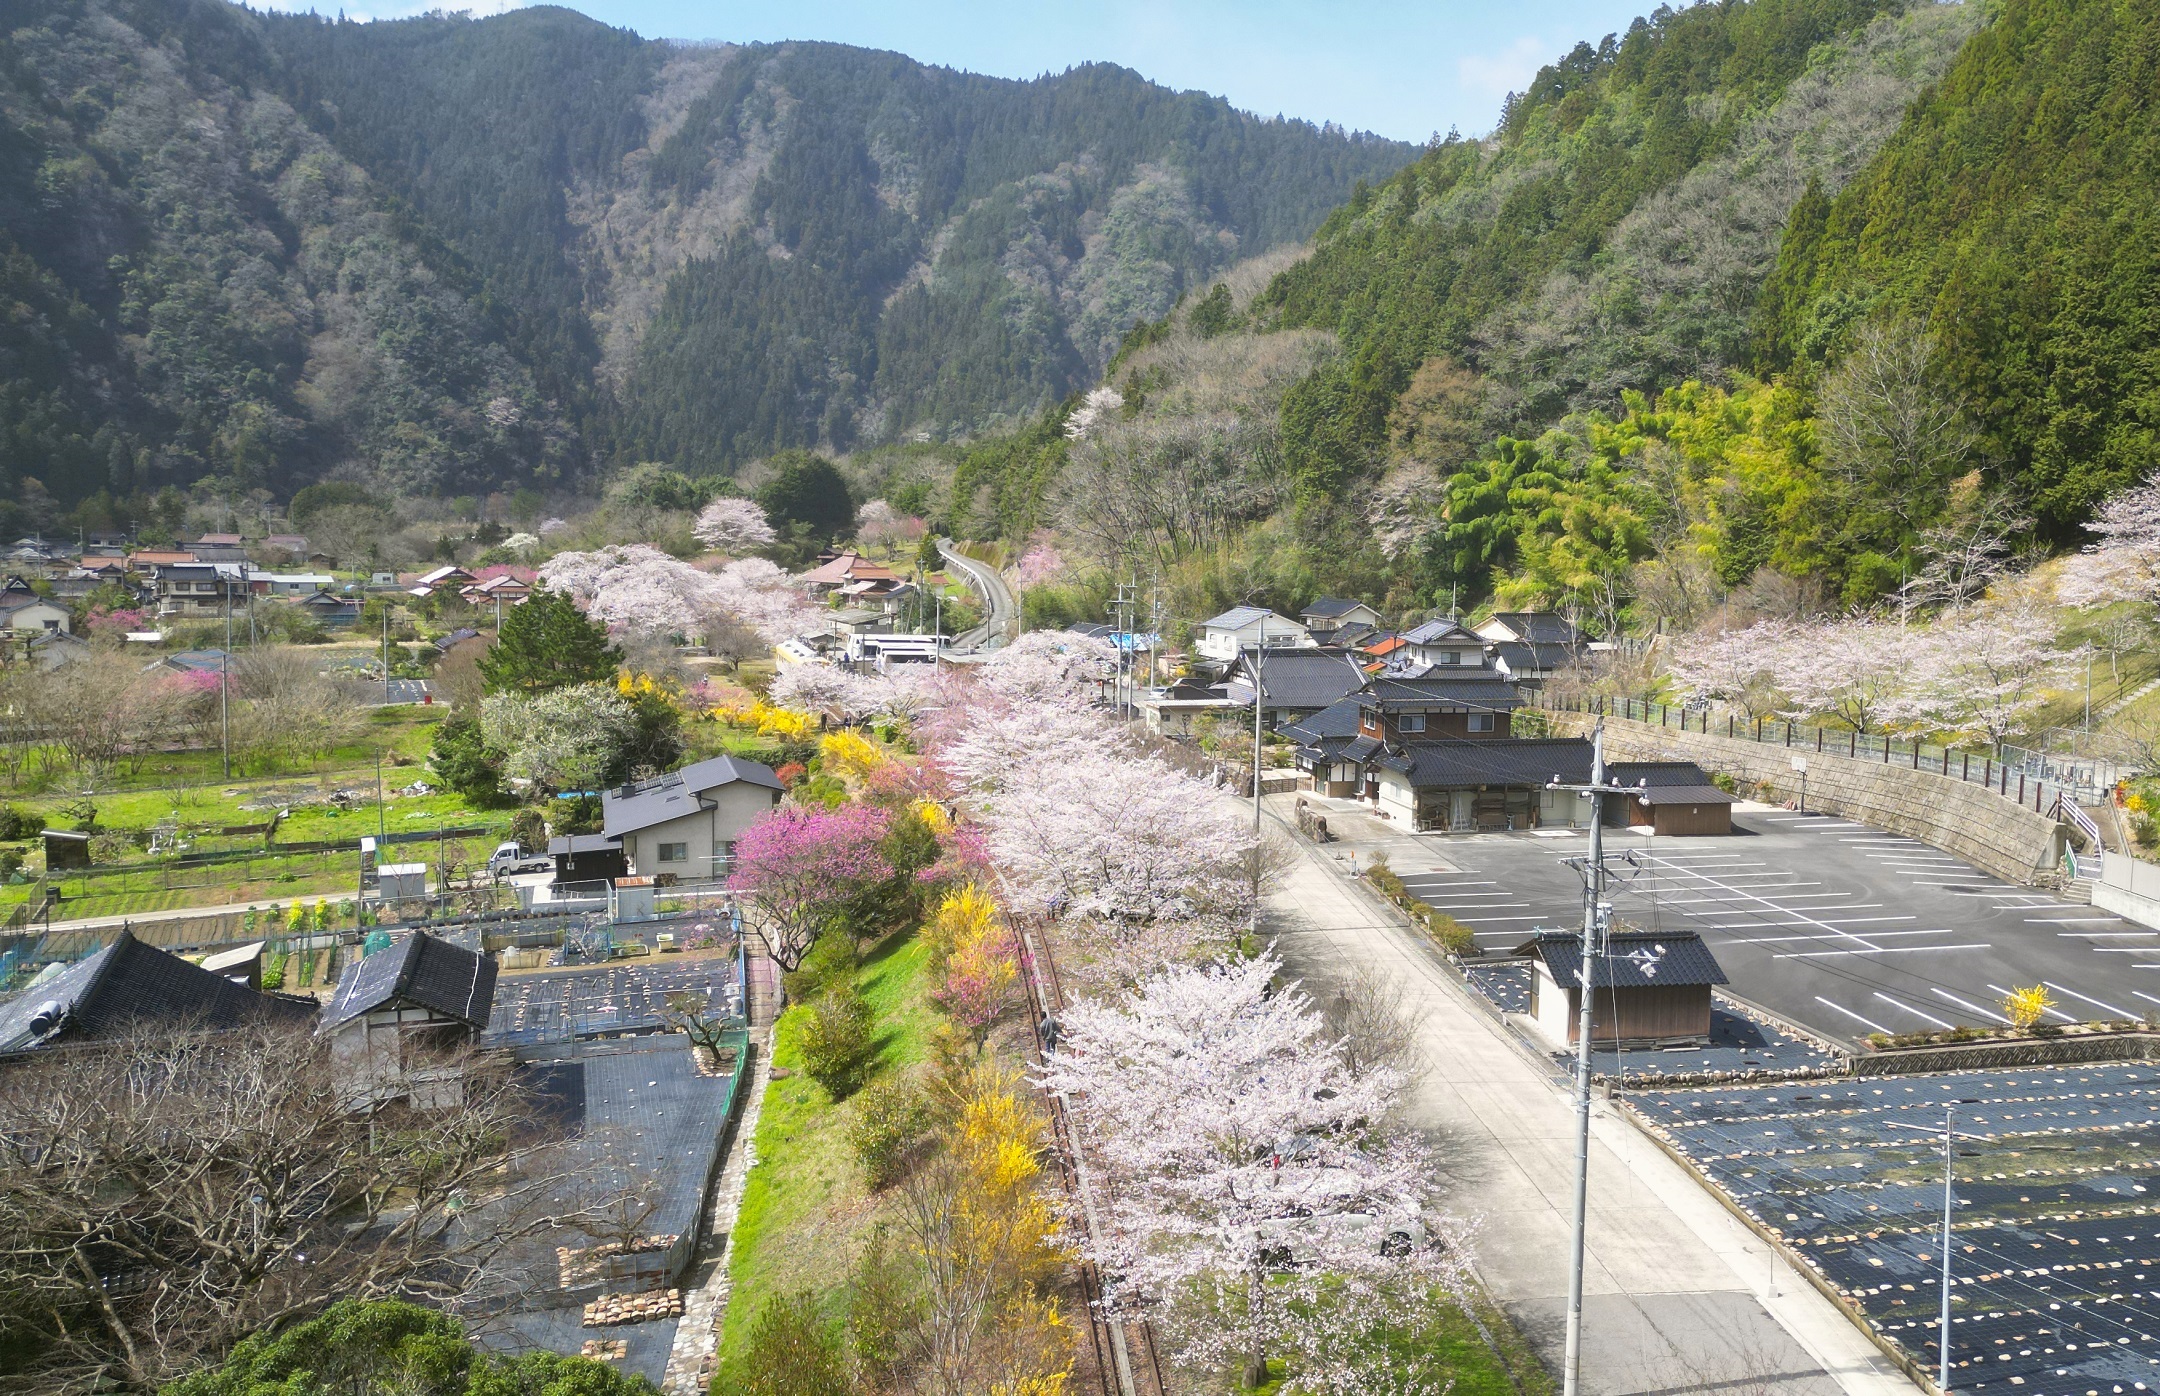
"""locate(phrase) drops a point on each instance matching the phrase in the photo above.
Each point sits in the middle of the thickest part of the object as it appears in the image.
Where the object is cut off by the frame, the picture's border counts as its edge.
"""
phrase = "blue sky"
(1399, 68)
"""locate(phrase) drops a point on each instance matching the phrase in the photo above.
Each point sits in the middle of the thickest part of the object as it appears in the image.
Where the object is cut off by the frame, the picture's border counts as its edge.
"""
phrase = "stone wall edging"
(1957, 816)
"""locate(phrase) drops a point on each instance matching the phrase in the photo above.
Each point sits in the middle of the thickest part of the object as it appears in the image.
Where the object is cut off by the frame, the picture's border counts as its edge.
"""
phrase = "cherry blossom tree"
(820, 689)
(1122, 841)
(1852, 669)
(1051, 666)
(1096, 410)
(1980, 672)
(760, 595)
(733, 526)
(799, 869)
(2123, 564)
(1740, 667)
(1260, 1196)
(1041, 563)
(636, 588)
(879, 525)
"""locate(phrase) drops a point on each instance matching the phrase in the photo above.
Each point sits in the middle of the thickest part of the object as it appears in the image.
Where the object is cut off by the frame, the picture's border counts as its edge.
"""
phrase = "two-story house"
(1221, 638)
(195, 588)
(1440, 643)
(686, 822)
(1531, 646)
(1329, 614)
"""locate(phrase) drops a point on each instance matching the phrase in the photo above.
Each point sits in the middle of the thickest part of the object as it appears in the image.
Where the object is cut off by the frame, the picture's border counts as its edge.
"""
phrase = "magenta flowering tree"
(800, 869)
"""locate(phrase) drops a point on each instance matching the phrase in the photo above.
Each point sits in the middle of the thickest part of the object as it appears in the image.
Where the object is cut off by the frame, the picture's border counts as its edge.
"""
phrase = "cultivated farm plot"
(2055, 1263)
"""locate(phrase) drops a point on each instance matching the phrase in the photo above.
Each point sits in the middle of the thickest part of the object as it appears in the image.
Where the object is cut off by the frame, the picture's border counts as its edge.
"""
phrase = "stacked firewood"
(611, 1309)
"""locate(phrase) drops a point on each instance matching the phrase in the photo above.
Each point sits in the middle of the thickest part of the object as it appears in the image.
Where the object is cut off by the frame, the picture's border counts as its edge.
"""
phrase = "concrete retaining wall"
(1959, 817)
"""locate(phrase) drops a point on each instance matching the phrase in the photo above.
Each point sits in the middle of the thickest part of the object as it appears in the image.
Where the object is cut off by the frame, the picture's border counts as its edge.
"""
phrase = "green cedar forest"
(448, 256)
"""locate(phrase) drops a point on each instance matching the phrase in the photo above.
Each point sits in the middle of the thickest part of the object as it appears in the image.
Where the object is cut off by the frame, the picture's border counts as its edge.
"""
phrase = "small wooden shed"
(1650, 989)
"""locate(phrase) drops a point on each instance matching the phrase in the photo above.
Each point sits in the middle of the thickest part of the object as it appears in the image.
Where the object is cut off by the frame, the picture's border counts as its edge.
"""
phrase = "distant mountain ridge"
(457, 255)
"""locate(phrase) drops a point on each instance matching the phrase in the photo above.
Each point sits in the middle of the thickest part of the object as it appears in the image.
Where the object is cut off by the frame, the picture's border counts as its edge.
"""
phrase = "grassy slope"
(804, 1209)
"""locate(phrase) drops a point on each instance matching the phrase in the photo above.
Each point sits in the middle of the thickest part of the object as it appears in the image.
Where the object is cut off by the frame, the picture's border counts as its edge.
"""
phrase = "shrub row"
(1450, 934)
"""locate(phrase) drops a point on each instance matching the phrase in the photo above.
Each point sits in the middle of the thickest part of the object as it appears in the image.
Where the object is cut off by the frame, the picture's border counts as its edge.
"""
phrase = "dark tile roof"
(1302, 678)
(1686, 795)
(1337, 719)
(420, 970)
(1327, 607)
(1435, 631)
(1479, 690)
(1659, 774)
(1501, 761)
(1540, 627)
(1636, 960)
(129, 982)
(633, 807)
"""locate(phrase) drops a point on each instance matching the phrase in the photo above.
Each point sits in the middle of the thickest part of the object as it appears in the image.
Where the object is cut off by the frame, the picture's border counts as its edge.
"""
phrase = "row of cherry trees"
(1975, 675)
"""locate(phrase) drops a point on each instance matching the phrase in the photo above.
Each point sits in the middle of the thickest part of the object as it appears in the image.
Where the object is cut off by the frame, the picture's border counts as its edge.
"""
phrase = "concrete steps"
(2079, 890)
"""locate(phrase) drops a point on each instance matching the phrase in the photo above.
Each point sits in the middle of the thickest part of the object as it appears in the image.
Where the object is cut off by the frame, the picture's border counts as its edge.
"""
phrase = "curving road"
(1003, 622)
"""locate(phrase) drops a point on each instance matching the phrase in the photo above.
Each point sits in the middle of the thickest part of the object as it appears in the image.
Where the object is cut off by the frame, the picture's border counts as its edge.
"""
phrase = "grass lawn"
(805, 1211)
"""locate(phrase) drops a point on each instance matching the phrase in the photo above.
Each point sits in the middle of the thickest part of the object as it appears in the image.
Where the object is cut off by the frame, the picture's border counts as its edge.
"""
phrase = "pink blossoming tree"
(800, 868)
(733, 526)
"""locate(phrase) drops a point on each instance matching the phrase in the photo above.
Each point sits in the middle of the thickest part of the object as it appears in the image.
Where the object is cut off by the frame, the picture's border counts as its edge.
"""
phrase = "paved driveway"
(1843, 928)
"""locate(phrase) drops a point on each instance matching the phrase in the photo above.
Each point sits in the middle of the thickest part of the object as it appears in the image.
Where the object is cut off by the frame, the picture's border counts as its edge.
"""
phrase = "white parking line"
(1878, 950)
(1743, 894)
(2097, 1003)
(1850, 1014)
(1967, 1003)
(2056, 1011)
(1474, 919)
(2084, 921)
(1761, 922)
(1899, 1003)
(2145, 996)
(1873, 935)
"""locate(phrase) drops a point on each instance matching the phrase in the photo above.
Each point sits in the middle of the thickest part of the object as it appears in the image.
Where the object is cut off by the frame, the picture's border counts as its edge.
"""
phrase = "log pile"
(612, 1309)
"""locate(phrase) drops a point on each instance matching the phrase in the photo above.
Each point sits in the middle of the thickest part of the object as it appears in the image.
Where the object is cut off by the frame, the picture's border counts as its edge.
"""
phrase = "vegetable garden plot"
(2055, 1267)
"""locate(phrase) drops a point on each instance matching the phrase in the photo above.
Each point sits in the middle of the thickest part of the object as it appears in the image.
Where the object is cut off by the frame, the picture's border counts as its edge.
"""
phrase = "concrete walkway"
(697, 1336)
(1680, 1298)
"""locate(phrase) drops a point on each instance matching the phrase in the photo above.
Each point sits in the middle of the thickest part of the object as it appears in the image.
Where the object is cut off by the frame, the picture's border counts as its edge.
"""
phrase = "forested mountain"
(1778, 303)
(452, 255)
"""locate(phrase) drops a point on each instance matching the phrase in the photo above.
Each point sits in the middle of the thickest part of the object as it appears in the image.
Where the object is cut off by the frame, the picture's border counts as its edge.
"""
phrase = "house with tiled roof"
(686, 822)
(1220, 638)
(1649, 990)
(1292, 683)
(128, 985)
(398, 1011)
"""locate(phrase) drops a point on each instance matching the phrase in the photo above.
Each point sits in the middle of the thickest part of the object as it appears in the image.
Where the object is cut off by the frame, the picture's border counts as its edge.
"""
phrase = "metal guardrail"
(2032, 780)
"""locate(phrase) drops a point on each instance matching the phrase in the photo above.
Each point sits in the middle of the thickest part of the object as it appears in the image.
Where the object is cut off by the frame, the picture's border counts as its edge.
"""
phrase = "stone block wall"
(1956, 816)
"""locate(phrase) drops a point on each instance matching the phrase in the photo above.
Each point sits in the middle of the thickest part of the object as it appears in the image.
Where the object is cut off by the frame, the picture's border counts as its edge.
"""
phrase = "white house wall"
(738, 805)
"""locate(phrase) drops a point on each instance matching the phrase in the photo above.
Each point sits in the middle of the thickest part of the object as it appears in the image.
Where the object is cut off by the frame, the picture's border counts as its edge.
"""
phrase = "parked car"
(511, 858)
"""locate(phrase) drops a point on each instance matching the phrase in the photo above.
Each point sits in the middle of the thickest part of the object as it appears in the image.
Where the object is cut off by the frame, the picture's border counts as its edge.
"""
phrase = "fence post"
(2021, 787)
(1916, 754)
(1818, 739)
(1788, 734)
(1965, 768)
(1758, 729)
(1728, 725)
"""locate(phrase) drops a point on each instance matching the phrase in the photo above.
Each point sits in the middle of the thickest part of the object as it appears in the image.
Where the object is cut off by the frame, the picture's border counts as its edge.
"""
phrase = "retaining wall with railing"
(1992, 832)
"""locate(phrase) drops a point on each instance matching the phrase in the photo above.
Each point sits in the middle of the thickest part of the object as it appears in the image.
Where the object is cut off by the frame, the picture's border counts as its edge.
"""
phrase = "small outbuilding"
(1650, 989)
(588, 858)
(396, 1010)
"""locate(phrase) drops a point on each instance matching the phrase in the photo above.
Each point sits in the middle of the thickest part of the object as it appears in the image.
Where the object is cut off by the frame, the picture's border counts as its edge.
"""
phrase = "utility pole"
(1950, 1137)
(1257, 652)
(224, 701)
(1597, 920)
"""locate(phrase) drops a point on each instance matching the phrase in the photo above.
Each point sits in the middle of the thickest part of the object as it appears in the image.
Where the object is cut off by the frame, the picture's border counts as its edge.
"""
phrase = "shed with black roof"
(1649, 989)
(398, 1012)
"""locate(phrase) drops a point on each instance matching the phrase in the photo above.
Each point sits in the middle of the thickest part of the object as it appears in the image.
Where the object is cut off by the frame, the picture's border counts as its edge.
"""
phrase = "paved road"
(1841, 927)
(1003, 620)
(1680, 1298)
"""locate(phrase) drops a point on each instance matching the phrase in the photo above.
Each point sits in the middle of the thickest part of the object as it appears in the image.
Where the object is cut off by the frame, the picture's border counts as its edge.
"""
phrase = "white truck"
(509, 859)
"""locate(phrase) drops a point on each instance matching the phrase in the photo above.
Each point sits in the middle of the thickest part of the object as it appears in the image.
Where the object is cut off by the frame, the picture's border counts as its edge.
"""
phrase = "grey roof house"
(1293, 683)
(397, 1010)
(686, 822)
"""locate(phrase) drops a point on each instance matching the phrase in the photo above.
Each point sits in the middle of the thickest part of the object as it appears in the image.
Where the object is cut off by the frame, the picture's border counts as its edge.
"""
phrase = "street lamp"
(1950, 1136)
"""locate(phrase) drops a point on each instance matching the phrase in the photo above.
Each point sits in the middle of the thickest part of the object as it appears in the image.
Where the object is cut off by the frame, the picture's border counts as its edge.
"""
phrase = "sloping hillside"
(451, 255)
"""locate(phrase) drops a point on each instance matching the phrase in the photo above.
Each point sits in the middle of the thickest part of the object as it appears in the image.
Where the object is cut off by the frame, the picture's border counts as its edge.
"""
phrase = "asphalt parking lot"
(1843, 928)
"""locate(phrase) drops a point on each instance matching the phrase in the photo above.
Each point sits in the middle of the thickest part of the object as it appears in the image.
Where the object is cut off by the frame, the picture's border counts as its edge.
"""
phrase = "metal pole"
(1256, 744)
(1942, 1382)
(1593, 897)
(225, 685)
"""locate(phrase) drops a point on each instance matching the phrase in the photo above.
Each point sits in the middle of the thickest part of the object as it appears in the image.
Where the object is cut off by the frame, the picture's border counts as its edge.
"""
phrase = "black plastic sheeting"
(2055, 1262)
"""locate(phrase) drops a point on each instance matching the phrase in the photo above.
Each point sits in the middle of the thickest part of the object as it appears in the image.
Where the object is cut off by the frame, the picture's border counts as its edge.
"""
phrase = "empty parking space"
(1848, 929)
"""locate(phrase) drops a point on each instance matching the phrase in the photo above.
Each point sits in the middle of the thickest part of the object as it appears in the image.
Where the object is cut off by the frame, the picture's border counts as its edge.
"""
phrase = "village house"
(1222, 638)
(429, 582)
(1650, 990)
(193, 588)
(1531, 646)
(24, 612)
(1173, 711)
(686, 822)
(1440, 642)
(404, 1005)
(1292, 683)
(125, 984)
(1330, 614)
(851, 574)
